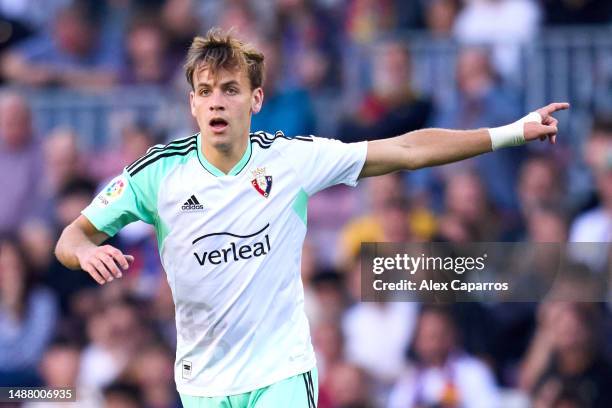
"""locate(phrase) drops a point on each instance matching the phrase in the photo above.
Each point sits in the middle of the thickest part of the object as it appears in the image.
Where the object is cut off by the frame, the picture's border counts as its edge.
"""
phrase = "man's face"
(435, 339)
(15, 122)
(73, 34)
(222, 106)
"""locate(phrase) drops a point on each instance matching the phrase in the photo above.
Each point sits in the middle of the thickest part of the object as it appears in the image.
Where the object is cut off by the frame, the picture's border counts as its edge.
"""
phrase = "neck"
(224, 157)
(574, 361)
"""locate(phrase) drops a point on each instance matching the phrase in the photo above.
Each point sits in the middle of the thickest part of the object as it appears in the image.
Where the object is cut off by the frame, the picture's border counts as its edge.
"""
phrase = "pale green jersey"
(231, 247)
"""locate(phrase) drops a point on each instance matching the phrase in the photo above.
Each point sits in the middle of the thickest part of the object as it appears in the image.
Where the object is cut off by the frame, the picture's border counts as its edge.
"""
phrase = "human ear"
(192, 103)
(257, 100)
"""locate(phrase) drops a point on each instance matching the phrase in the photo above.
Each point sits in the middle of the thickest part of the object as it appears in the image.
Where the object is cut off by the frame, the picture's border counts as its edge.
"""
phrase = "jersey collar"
(215, 171)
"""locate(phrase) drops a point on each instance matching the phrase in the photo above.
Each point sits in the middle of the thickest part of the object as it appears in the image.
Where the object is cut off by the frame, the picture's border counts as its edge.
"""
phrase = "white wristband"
(512, 134)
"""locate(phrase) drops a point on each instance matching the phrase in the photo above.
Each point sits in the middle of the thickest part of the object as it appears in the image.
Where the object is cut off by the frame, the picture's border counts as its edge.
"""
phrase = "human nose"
(216, 101)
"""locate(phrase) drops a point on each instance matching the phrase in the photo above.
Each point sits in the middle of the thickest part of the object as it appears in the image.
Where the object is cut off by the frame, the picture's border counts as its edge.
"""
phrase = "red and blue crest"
(263, 185)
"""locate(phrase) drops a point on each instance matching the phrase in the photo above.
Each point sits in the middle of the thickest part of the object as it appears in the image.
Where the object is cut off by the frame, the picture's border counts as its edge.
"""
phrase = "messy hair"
(221, 51)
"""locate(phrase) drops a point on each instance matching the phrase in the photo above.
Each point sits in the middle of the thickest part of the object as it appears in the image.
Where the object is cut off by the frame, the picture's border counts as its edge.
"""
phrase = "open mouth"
(218, 124)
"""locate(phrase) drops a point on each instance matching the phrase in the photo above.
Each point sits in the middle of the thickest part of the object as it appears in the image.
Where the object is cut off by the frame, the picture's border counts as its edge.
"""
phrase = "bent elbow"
(62, 249)
(58, 251)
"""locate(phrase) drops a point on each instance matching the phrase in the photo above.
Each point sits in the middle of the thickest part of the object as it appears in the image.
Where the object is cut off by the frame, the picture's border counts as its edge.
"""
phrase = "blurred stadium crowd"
(116, 343)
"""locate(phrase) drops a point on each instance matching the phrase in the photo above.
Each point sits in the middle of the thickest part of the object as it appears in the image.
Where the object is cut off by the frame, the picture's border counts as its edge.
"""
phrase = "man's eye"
(205, 92)
(232, 91)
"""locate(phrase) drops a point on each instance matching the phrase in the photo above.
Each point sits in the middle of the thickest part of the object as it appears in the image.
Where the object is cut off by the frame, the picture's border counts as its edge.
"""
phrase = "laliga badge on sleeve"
(112, 192)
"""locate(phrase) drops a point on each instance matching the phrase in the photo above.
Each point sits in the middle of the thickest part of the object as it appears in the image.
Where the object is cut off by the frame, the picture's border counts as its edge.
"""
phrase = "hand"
(548, 127)
(103, 262)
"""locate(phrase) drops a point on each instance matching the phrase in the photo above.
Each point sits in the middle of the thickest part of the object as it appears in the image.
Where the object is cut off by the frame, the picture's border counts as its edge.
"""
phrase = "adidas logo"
(192, 204)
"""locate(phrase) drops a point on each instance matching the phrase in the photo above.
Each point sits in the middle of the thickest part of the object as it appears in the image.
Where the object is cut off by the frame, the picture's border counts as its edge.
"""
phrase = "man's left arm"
(432, 147)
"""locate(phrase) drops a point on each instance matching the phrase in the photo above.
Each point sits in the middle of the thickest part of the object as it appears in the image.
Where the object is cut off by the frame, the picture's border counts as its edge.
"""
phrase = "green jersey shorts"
(299, 391)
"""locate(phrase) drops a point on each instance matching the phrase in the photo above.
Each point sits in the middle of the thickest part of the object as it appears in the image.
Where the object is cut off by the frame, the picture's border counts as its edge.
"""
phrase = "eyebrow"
(228, 83)
(223, 84)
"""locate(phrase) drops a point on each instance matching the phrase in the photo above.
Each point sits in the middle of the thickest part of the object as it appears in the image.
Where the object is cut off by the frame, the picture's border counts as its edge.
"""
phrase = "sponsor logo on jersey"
(192, 204)
(234, 251)
(112, 192)
(261, 181)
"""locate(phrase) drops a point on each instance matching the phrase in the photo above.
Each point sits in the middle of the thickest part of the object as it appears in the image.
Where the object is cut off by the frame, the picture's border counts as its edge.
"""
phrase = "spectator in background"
(566, 355)
(63, 160)
(347, 386)
(74, 54)
(152, 370)
(596, 151)
(503, 24)
(116, 332)
(69, 198)
(147, 61)
(21, 19)
(328, 343)
(376, 336)
(304, 27)
(315, 70)
(28, 315)
(59, 368)
(468, 215)
(330, 294)
(540, 183)
(20, 162)
(136, 138)
(481, 101)
(440, 17)
(63, 163)
(390, 218)
(391, 107)
(536, 268)
(238, 14)
(181, 23)
(287, 109)
(533, 271)
(37, 238)
(547, 224)
(69, 203)
(451, 228)
(595, 225)
(376, 333)
(539, 187)
(439, 374)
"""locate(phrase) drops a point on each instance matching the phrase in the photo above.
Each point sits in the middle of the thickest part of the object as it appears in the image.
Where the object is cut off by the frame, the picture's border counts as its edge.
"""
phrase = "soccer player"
(229, 209)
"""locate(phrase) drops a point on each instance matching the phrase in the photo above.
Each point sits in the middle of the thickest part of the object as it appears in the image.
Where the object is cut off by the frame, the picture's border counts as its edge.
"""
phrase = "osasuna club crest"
(261, 181)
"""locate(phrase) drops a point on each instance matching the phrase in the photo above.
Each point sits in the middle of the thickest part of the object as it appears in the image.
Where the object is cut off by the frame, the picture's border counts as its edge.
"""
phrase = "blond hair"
(221, 51)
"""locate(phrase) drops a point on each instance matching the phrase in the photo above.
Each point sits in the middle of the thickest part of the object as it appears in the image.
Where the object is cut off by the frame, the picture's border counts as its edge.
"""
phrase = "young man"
(229, 208)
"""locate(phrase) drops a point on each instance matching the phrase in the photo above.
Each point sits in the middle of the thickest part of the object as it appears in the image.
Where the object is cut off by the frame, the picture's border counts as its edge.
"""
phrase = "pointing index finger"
(557, 106)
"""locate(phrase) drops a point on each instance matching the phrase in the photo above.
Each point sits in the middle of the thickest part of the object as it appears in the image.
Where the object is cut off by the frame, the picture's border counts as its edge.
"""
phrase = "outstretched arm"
(78, 247)
(432, 147)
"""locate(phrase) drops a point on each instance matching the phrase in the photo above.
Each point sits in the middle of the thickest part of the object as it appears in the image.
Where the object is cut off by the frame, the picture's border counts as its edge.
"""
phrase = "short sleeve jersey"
(231, 247)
